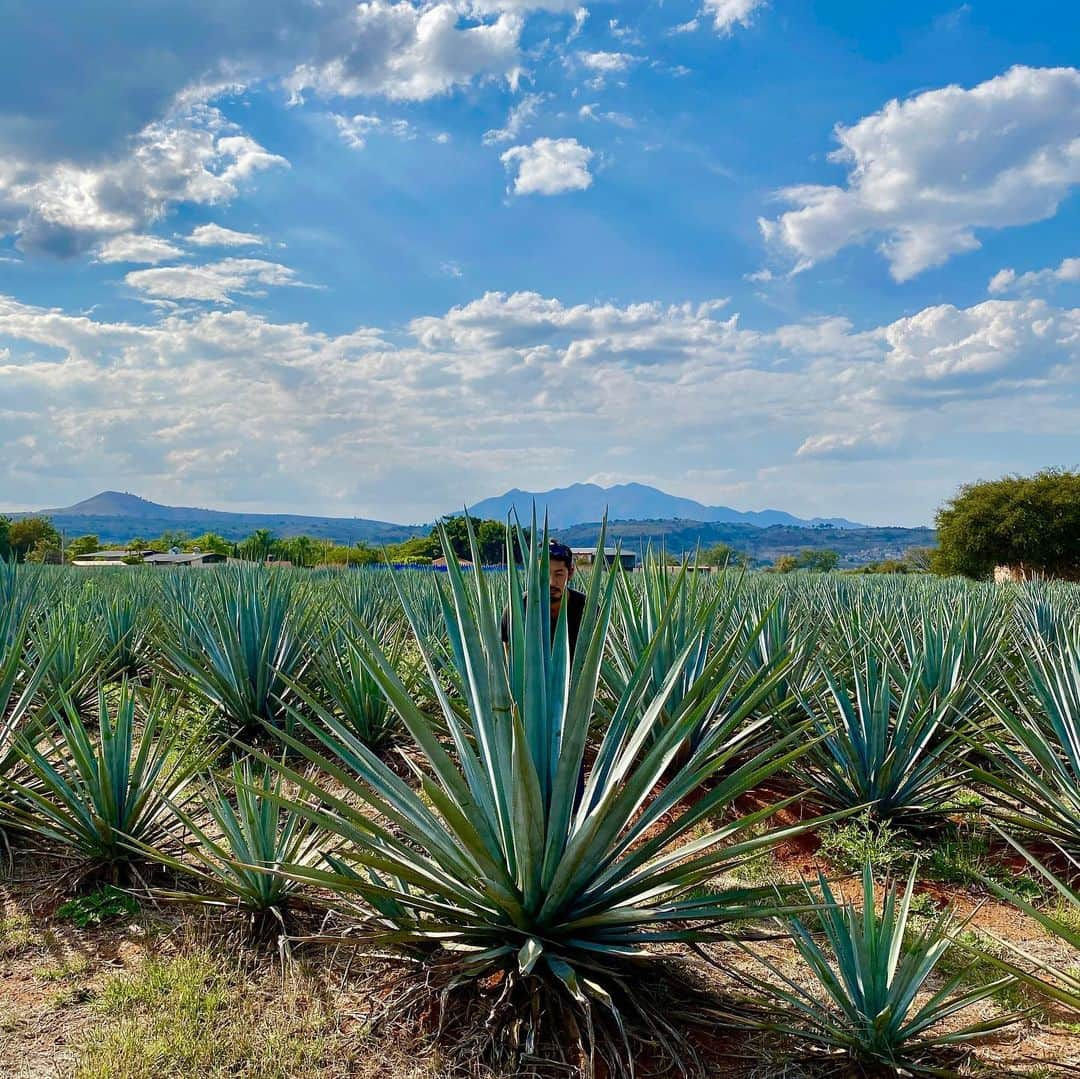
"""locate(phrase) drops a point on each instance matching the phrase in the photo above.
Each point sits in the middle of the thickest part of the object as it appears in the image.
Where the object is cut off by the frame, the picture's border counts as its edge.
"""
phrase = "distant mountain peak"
(586, 502)
(111, 504)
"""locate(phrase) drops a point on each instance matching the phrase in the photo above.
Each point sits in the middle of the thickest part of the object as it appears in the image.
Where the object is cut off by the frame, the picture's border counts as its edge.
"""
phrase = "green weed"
(104, 905)
(850, 845)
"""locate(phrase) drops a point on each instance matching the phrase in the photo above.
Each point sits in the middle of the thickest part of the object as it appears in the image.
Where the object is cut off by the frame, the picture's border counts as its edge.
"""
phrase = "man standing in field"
(560, 572)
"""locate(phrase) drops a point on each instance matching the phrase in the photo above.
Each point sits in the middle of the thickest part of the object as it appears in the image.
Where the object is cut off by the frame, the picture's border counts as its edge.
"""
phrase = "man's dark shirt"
(575, 608)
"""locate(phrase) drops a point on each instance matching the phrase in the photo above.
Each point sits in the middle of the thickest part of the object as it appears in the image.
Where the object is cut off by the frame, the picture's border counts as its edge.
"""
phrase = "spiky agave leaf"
(666, 614)
(868, 975)
(884, 744)
(496, 863)
(22, 674)
(236, 640)
(344, 684)
(1060, 982)
(239, 837)
(126, 623)
(1037, 782)
(79, 647)
(96, 792)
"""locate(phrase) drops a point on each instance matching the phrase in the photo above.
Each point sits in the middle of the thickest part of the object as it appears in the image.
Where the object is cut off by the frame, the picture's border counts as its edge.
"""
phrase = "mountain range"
(638, 515)
(580, 502)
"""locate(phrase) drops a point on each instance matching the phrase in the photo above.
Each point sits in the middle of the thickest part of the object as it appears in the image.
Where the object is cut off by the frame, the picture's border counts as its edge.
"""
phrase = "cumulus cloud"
(194, 156)
(550, 167)
(127, 73)
(1067, 273)
(120, 130)
(727, 14)
(410, 53)
(466, 397)
(927, 172)
(945, 351)
(522, 7)
(212, 235)
(605, 65)
(135, 248)
(216, 282)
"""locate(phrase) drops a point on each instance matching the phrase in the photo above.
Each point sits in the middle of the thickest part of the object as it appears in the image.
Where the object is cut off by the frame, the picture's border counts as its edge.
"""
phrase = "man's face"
(559, 575)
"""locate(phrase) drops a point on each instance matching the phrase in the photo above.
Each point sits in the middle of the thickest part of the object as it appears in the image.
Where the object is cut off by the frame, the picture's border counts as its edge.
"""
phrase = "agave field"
(756, 825)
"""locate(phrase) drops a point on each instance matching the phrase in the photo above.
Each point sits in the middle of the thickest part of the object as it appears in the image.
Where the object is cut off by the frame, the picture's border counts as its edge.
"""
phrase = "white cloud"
(101, 147)
(1067, 273)
(469, 400)
(521, 114)
(409, 53)
(927, 172)
(135, 248)
(522, 7)
(216, 282)
(946, 351)
(194, 156)
(355, 130)
(623, 32)
(853, 445)
(213, 235)
(550, 167)
(727, 14)
(607, 63)
(619, 119)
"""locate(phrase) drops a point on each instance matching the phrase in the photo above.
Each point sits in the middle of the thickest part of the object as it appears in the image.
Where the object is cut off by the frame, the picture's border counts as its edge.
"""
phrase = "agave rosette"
(515, 854)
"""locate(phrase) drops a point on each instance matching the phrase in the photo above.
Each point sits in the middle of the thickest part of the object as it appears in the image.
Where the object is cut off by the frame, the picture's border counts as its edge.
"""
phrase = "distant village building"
(586, 556)
(181, 558)
(174, 557)
(440, 562)
(110, 558)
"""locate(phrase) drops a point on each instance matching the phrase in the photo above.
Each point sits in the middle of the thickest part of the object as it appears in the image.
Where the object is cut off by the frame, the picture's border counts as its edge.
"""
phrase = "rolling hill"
(116, 516)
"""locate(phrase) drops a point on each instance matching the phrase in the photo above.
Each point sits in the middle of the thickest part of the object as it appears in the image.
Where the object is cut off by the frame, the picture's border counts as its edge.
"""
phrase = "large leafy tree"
(32, 534)
(5, 543)
(83, 545)
(490, 539)
(1032, 522)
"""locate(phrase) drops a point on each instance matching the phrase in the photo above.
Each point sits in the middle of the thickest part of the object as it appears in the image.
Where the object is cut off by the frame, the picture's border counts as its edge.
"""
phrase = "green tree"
(5, 543)
(170, 538)
(723, 554)
(82, 545)
(419, 550)
(1029, 522)
(258, 546)
(33, 536)
(359, 555)
(299, 550)
(818, 559)
(490, 539)
(209, 542)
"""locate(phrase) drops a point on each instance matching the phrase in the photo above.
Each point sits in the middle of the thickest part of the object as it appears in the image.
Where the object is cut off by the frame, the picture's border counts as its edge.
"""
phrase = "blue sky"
(383, 259)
